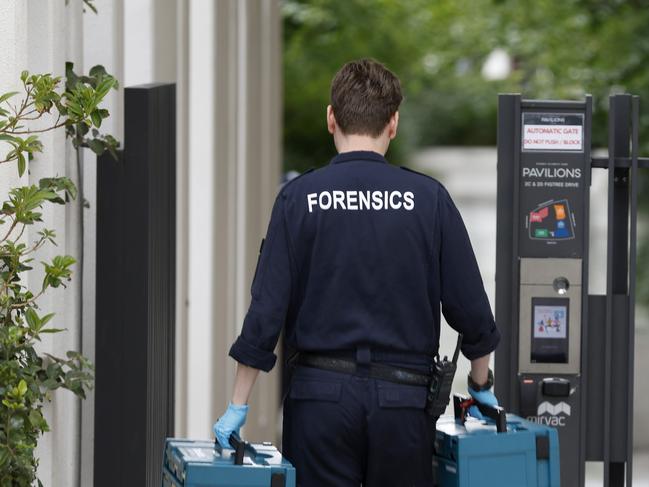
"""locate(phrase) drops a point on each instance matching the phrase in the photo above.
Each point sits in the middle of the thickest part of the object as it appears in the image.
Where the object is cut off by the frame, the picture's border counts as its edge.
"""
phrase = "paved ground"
(470, 176)
(594, 471)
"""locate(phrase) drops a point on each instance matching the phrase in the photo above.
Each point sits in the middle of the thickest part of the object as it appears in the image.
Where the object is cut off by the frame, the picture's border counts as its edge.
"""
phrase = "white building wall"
(225, 58)
(13, 30)
(40, 37)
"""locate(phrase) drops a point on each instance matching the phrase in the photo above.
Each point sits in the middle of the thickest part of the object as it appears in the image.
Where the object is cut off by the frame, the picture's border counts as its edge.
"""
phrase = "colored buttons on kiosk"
(555, 224)
(539, 216)
(561, 232)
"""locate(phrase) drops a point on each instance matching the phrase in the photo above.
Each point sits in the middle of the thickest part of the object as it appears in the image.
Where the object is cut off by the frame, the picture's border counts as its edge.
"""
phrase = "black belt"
(373, 369)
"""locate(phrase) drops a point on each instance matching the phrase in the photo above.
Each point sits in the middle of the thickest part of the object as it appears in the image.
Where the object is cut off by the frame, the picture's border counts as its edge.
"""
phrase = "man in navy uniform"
(357, 259)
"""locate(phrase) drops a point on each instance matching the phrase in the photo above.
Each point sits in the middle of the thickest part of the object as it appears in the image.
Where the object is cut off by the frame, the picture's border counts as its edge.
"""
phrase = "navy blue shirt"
(361, 253)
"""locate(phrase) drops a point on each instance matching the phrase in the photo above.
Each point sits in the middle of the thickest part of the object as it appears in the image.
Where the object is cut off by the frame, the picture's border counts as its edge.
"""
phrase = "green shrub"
(28, 376)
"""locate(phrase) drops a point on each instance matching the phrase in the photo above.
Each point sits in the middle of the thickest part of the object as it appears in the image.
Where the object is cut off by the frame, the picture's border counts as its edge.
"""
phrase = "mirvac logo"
(552, 414)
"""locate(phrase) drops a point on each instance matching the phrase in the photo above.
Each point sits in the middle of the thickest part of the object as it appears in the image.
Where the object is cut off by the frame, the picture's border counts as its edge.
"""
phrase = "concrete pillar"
(138, 42)
(165, 40)
(258, 173)
(232, 57)
(199, 328)
(103, 43)
(182, 212)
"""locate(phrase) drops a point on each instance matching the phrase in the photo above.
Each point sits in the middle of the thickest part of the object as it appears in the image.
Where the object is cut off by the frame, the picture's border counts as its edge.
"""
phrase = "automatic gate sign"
(553, 132)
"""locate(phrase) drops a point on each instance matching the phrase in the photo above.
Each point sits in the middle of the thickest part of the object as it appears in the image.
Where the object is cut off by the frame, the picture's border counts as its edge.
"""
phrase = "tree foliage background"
(438, 48)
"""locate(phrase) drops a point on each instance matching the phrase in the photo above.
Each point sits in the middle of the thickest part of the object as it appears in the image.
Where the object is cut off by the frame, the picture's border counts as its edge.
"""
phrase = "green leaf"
(60, 184)
(22, 387)
(72, 79)
(46, 319)
(10, 138)
(97, 71)
(90, 5)
(97, 146)
(8, 95)
(4, 457)
(95, 116)
(58, 271)
(50, 384)
(35, 418)
(22, 164)
(32, 319)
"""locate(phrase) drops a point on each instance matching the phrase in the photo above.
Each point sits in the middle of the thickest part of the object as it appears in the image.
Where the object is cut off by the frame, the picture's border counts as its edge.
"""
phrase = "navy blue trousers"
(343, 430)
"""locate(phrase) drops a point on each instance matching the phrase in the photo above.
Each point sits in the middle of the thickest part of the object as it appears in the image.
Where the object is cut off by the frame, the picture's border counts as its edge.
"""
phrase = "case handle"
(462, 403)
(240, 448)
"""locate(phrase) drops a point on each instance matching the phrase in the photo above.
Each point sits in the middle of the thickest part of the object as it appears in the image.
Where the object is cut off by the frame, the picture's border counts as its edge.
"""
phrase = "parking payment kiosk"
(566, 357)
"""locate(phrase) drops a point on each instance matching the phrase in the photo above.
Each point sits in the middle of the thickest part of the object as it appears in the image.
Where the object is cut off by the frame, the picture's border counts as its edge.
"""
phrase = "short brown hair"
(364, 95)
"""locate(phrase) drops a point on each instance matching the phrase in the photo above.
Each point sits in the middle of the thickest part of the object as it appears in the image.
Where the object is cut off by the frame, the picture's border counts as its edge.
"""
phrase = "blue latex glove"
(231, 421)
(484, 397)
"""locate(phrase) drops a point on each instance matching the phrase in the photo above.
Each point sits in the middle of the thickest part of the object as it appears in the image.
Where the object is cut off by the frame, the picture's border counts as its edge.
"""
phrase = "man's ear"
(393, 124)
(331, 120)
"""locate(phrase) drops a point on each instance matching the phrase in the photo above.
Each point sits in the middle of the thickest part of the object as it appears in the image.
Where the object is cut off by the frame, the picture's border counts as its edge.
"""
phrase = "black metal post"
(136, 293)
(506, 245)
(616, 375)
(633, 235)
(585, 311)
(609, 292)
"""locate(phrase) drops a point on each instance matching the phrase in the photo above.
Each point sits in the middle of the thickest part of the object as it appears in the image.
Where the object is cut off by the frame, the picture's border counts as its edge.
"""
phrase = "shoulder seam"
(299, 176)
(288, 183)
(420, 174)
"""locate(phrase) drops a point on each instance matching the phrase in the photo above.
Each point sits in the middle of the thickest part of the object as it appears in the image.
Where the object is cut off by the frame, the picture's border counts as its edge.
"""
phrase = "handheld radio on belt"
(441, 379)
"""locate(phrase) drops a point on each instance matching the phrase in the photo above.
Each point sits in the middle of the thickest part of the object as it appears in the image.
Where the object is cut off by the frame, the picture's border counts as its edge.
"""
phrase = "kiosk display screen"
(550, 330)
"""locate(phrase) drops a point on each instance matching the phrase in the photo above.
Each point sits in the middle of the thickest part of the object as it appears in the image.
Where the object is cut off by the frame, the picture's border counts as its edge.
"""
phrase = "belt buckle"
(363, 359)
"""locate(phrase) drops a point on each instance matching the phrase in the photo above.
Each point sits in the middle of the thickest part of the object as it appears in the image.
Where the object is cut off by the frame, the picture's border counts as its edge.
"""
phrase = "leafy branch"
(27, 377)
(74, 106)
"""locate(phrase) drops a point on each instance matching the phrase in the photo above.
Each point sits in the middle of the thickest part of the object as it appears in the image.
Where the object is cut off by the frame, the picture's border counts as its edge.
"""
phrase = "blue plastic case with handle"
(190, 463)
(508, 451)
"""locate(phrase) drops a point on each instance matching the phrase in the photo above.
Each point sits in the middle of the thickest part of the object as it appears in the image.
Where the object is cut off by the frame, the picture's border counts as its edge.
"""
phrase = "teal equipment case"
(475, 454)
(189, 463)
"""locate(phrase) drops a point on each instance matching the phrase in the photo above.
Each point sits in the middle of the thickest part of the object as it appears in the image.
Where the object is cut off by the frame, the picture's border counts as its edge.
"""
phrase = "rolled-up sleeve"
(464, 300)
(271, 293)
